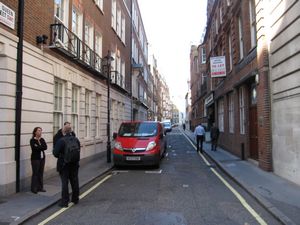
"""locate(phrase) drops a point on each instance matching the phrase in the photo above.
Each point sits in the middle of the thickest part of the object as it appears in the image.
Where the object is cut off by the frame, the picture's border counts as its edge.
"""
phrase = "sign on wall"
(218, 66)
(7, 16)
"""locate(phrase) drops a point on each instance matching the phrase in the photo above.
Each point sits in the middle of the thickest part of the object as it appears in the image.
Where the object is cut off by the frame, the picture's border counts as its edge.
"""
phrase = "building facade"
(284, 61)
(255, 102)
(236, 95)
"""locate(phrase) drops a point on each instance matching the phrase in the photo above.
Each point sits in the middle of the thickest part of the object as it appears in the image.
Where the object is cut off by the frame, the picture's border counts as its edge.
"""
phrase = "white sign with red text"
(7, 16)
(218, 66)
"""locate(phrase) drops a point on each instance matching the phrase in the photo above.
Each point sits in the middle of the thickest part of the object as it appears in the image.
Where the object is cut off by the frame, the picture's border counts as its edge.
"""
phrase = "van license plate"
(133, 158)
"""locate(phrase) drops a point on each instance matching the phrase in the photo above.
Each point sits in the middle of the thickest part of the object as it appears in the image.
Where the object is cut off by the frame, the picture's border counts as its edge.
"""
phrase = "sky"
(172, 26)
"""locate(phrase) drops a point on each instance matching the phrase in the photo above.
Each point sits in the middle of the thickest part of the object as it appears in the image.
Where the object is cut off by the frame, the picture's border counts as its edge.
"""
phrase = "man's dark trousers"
(69, 172)
(200, 139)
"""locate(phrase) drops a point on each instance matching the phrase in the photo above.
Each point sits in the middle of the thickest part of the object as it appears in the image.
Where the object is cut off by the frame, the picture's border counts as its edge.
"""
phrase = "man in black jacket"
(62, 132)
(67, 170)
(214, 135)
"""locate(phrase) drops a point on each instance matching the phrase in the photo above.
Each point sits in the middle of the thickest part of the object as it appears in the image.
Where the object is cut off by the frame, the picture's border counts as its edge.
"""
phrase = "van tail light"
(151, 145)
(118, 146)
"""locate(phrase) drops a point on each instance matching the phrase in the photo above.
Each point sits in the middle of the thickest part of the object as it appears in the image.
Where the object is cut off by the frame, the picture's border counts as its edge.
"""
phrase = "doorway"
(253, 134)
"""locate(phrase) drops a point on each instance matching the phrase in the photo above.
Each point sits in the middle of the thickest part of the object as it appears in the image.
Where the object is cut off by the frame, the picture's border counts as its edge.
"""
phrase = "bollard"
(242, 151)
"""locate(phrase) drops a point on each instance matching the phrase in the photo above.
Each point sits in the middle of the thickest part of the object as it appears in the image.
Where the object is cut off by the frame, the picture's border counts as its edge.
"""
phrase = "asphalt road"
(183, 191)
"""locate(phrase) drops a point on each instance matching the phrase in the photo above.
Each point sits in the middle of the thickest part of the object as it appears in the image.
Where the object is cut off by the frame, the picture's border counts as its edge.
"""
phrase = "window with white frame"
(119, 22)
(113, 14)
(217, 24)
(98, 44)
(203, 78)
(99, 3)
(241, 39)
(242, 109)
(203, 55)
(123, 29)
(77, 30)
(88, 34)
(231, 113)
(87, 110)
(252, 22)
(228, 2)
(59, 9)
(98, 115)
(58, 105)
(221, 115)
(230, 50)
(75, 108)
(221, 13)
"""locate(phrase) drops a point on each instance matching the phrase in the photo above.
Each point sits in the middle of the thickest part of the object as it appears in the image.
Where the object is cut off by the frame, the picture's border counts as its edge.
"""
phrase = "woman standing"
(38, 146)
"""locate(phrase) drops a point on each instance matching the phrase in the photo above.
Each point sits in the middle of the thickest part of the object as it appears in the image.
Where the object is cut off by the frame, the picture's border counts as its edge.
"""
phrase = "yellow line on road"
(71, 204)
(237, 195)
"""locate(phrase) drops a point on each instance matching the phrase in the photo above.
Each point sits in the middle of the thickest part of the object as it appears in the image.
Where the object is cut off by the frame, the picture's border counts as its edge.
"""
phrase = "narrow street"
(184, 190)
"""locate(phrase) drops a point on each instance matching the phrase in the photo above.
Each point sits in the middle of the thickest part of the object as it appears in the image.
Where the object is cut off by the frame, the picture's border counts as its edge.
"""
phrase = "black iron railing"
(68, 42)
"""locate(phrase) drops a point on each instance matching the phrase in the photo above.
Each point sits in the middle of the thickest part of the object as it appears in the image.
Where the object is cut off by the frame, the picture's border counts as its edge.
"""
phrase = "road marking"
(153, 171)
(71, 204)
(237, 195)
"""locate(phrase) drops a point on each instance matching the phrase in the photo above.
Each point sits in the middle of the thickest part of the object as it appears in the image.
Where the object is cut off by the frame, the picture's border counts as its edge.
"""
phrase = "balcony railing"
(117, 78)
(68, 42)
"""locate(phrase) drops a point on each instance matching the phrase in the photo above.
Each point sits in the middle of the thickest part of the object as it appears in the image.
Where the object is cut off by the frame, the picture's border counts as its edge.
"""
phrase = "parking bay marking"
(237, 195)
(71, 204)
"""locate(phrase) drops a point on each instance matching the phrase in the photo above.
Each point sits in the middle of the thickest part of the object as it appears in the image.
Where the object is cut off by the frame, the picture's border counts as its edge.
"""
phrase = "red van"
(139, 143)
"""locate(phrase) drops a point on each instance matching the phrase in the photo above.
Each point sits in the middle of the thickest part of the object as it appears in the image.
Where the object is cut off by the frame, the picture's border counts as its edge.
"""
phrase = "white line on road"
(57, 213)
(237, 195)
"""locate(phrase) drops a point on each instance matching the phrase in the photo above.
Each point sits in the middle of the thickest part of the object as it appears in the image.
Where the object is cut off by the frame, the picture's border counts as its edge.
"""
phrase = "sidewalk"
(279, 196)
(19, 207)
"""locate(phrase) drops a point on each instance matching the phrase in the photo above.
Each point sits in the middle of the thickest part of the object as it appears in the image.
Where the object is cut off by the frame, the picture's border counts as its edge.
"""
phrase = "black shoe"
(42, 190)
(63, 205)
(34, 192)
(75, 202)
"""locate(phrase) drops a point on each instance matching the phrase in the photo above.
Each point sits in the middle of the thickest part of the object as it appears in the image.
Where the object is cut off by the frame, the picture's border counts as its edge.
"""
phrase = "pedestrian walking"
(38, 146)
(214, 135)
(62, 132)
(199, 135)
(183, 126)
(67, 152)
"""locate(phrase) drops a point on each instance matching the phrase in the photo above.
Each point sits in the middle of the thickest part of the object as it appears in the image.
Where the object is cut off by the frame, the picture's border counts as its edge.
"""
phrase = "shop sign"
(218, 66)
(209, 99)
(7, 16)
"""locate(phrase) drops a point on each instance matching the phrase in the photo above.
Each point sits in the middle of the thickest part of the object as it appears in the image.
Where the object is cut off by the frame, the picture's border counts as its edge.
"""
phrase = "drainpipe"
(19, 92)
(131, 74)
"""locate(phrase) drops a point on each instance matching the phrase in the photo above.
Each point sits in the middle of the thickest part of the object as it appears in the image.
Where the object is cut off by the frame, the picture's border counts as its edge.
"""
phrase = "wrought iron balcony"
(69, 43)
(117, 78)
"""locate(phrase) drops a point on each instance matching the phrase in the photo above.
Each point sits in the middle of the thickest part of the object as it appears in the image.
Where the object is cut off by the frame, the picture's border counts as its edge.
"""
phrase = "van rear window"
(138, 130)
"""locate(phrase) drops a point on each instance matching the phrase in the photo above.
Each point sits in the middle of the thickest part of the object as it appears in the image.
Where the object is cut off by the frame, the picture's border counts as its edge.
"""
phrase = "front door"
(253, 125)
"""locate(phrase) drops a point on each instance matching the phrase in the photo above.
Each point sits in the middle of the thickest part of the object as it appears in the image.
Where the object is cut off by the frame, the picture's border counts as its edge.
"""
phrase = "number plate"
(133, 158)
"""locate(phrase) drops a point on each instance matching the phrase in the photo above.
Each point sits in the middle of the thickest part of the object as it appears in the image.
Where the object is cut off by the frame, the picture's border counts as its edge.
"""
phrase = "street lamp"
(108, 59)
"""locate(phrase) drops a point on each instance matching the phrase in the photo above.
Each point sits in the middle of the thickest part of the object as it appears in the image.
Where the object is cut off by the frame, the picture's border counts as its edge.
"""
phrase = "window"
(230, 51)
(98, 44)
(252, 23)
(119, 21)
(221, 115)
(58, 105)
(98, 114)
(203, 78)
(123, 29)
(113, 14)
(241, 41)
(242, 109)
(87, 110)
(203, 54)
(59, 9)
(77, 30)
(231, 113)
(99, 3)
(75, 108)
(88, 35)
(123, 74)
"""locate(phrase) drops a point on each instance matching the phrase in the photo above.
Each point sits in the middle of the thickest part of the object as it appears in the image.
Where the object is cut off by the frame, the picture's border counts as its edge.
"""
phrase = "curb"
(280, 216)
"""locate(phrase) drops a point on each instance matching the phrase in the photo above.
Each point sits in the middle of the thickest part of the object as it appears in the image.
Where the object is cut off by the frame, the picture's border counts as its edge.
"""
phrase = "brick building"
(236, 92)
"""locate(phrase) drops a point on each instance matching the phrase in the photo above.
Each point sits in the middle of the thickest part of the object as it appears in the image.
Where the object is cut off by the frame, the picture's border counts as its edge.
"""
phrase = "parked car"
(167, 126)
(139, 143)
